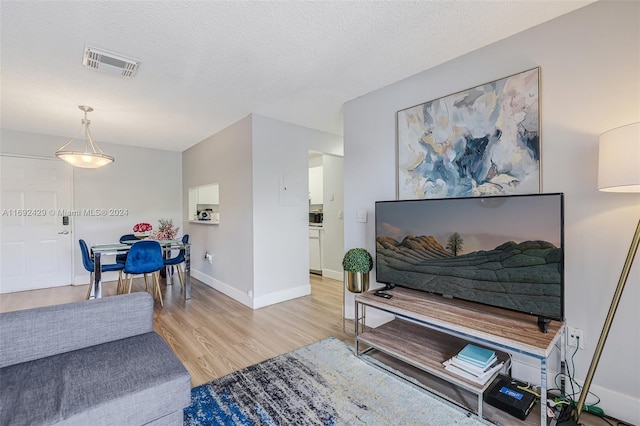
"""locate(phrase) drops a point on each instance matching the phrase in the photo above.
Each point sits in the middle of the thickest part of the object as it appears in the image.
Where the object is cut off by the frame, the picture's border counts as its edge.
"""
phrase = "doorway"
(326, 207)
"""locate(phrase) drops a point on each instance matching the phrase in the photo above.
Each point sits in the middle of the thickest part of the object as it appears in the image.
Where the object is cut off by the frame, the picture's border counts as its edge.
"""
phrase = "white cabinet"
(315, 256)
(208, 194)
(316, 186)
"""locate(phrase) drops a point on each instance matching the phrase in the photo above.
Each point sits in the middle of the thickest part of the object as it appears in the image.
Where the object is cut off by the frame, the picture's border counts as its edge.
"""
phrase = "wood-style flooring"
(214, 335)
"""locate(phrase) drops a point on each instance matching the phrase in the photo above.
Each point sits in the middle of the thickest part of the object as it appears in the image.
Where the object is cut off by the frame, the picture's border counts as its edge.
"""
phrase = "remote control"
(383, 294)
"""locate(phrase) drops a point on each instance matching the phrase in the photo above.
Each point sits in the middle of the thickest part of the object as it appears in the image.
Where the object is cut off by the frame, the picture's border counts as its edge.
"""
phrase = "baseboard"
(224, 288)
(622, 407)
(245, 299)
(334, 275)
(281, 296)
(106, 277)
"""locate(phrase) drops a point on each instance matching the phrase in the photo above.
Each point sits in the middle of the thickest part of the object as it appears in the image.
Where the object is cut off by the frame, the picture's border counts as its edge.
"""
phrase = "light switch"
(361, 216)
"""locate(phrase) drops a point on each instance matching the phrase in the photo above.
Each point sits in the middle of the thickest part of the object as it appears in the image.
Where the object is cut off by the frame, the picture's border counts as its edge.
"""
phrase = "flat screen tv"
(503, 251)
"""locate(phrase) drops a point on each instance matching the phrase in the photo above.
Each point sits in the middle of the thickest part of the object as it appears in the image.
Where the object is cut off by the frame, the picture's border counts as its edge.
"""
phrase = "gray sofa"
(95, 362)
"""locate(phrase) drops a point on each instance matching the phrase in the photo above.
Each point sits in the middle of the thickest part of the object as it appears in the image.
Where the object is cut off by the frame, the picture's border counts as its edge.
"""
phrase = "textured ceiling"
(207, 64)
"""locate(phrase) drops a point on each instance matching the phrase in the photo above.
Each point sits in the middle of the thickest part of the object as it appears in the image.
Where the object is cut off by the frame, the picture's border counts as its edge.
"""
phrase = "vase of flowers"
(166, 230)
(142, 229)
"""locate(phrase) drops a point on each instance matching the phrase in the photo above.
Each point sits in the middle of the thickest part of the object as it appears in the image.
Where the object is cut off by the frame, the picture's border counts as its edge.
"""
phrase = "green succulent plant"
(357, 260)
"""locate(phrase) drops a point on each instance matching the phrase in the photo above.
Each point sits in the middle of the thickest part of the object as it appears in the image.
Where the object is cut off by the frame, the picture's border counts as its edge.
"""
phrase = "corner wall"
(260, 249)
(224, 158)
(590, 63)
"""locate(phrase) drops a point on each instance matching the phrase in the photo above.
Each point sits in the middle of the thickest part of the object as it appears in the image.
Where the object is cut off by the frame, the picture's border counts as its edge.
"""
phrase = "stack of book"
(474, 363)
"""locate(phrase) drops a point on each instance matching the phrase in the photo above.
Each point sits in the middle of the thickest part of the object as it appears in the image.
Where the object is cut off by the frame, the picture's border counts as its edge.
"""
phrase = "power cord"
(568, 401)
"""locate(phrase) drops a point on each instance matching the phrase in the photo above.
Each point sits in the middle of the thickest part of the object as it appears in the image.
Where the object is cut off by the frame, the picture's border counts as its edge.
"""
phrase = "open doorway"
(326, 214)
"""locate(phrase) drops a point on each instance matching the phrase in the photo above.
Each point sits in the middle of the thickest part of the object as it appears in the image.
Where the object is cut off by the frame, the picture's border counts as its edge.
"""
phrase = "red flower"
(142, 227)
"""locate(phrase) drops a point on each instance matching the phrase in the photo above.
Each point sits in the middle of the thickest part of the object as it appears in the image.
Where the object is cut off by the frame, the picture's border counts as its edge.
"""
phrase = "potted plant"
(357, 263)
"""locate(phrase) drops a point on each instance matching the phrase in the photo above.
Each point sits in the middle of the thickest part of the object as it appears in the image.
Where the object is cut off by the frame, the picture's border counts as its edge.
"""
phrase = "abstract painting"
(478, 142)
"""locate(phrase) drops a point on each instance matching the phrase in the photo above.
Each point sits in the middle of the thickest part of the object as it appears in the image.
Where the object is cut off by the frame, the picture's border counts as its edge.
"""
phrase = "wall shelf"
(205, 222)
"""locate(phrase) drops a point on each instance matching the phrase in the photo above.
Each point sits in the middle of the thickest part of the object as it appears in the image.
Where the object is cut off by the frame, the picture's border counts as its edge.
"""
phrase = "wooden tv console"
(429, 329)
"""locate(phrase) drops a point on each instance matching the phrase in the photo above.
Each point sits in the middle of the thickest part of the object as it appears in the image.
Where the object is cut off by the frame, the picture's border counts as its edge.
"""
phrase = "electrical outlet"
(574, 336)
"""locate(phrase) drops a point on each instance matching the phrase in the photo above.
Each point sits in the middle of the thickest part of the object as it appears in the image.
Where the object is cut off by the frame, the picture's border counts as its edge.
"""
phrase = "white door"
(36, 249)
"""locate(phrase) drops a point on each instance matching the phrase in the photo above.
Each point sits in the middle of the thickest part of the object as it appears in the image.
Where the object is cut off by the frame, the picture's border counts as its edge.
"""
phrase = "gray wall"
(590, 83)
(146, 182)
(224, 158)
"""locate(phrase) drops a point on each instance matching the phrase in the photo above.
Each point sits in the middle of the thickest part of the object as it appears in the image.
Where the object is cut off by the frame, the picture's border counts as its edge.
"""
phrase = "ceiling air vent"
(111, 63)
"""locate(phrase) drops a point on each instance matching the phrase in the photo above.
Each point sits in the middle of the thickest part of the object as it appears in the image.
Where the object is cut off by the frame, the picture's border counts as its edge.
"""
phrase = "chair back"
(122, 258)
(185, 240)
(144, 257)
(86, 258)
(128, 237)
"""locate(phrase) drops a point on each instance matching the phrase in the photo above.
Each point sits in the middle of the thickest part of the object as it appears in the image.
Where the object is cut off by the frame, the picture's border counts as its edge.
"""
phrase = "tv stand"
(429, 329)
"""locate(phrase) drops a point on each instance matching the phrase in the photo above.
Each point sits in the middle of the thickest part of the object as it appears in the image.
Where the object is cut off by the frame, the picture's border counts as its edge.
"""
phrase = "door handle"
(63, 232)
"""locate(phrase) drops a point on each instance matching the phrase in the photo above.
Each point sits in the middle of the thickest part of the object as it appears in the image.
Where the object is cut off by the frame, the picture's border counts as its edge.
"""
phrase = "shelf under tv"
(429, 329)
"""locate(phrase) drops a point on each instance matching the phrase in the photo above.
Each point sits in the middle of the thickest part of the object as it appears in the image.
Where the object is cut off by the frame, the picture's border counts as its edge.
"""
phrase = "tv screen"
(504, 251)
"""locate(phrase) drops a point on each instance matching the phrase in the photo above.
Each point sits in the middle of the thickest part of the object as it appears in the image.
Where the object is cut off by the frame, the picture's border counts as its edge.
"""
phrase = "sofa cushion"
(129, 381)
(40, 332)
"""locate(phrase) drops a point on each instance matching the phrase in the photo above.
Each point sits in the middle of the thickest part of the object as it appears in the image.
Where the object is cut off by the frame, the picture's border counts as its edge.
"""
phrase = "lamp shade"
(619, 159)
(89, 156)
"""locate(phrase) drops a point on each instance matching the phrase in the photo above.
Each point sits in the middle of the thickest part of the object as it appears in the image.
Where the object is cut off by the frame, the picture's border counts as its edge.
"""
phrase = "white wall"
(144, 182)
(281, 239)
(280, 216)
(224, 158)
(590, 83)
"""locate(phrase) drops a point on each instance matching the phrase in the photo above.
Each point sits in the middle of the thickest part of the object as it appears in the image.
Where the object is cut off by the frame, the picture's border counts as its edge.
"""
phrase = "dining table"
(112, 249)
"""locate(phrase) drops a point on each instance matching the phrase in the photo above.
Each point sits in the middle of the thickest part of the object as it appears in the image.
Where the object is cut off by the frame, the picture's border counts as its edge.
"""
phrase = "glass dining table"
(110, 249)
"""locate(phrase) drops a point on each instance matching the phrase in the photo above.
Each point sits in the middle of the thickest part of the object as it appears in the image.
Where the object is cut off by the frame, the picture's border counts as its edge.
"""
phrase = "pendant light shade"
(90, 156)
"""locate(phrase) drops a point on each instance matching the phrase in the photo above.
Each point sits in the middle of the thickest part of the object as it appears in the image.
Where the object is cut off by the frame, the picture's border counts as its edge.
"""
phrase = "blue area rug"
(320, 384)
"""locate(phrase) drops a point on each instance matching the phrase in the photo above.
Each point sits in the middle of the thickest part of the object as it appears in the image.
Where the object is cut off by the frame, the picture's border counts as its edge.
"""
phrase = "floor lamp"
(618, 171)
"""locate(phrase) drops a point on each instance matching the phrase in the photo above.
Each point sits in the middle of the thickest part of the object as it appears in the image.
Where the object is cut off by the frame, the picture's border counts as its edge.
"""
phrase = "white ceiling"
(207, 64)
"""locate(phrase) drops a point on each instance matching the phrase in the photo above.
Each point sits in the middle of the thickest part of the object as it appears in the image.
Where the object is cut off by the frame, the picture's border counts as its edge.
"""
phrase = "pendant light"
(92, 157)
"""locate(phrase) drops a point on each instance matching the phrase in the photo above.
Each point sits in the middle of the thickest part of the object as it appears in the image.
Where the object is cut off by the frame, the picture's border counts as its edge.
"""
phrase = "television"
(504, 251)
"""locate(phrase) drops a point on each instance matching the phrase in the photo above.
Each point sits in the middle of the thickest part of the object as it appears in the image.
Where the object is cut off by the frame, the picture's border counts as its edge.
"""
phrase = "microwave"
(315, 217)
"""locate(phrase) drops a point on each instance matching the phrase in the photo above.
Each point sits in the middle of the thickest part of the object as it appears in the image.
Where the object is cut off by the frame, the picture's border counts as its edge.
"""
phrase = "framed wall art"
(481, 141)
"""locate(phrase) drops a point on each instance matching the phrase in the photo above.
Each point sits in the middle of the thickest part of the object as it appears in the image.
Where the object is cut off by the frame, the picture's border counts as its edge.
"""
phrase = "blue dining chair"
(145, 257)
(89, 265)
(178, 260)
(122, 258)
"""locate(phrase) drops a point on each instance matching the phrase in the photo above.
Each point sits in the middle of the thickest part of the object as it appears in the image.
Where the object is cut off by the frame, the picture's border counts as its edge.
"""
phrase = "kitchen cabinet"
(316, 186)
(204, 197)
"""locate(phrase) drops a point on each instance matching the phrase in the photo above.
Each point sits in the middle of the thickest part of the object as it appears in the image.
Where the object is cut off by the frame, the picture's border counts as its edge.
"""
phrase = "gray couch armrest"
(37, 333)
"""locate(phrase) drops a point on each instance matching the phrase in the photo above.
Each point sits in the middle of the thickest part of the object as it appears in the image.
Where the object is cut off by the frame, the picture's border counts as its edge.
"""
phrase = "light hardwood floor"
(214, 335)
